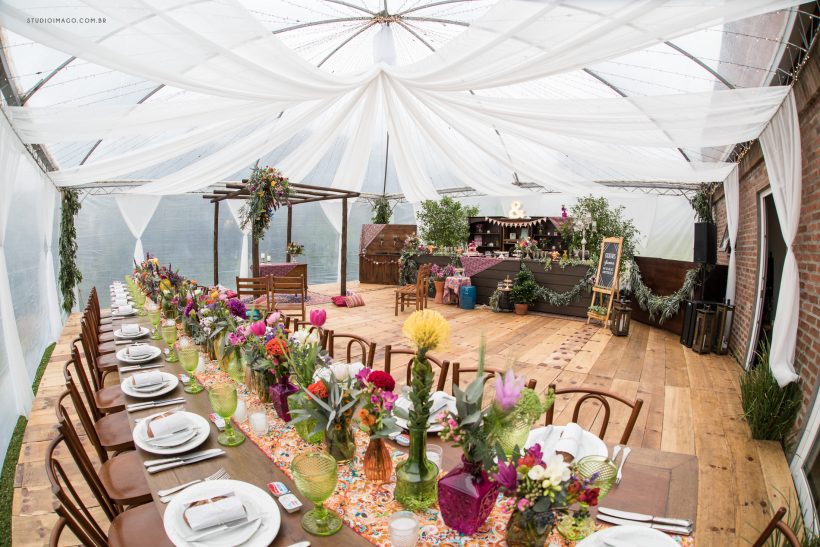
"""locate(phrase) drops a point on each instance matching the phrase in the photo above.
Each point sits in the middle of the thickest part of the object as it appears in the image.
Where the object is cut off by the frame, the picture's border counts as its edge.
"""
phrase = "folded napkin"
(166, 423)
(120, 302)
(147, 378)
(570, 440)
(140, 350)
(216, 510)
(130, 328)
(127, 308)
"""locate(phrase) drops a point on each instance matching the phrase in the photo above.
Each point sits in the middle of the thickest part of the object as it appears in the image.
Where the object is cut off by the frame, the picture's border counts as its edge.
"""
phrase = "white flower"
(322, 373)
(557, 470)
(536, 473)
(354, 368)
(341, 371)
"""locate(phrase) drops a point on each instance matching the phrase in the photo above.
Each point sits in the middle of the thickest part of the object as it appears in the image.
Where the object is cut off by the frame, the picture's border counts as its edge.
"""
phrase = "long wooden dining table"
(654, 482)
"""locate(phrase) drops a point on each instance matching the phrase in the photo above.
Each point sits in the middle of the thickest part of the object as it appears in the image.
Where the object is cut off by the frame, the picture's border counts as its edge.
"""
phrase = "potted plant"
(445, 223)
(524, 291)
(439, 275)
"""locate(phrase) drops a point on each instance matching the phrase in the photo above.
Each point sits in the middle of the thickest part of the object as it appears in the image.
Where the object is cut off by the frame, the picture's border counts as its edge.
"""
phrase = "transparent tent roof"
(345, 37)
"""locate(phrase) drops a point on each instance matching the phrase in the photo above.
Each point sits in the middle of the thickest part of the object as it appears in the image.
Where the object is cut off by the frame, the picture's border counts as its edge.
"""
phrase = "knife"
(141, 367)
(644, 518)
(144, 406)
(222, 528)
(184, 461)
(210, 451)
(660, 527)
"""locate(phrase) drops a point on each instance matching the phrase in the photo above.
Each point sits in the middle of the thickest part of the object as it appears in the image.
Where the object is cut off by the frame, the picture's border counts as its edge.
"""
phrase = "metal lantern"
(619, 321)
(724, 315)
(704, 326)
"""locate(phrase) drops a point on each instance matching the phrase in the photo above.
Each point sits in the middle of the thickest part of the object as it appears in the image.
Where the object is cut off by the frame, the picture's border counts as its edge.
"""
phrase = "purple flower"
(362, 375)
(188, 307)
(389, 398)
(257, 329)
(375, 399)
(235, 339)
(236, 307)
(508, 389)
(507, 476)
(536, 452)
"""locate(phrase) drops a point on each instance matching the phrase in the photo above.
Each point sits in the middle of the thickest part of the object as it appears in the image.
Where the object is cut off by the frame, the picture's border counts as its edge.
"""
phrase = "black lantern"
(619, 321)
(704, 326)
(724, 314)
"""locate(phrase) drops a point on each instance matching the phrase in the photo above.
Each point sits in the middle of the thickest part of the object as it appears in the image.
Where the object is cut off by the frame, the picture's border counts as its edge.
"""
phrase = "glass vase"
(523, 532)
(378, 465)
(466, 496)
(416, 476)
(514, 432)
(575, 526)
(340, 442)
(234, 367)
(279, 393)
(304, 428)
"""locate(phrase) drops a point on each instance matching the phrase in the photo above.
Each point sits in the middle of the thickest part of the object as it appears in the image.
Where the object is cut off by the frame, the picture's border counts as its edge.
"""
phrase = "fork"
(627, 450)
(166, 495)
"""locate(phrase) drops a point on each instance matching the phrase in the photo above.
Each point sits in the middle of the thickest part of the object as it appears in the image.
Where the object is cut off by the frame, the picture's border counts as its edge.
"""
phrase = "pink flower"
(523, 503)
(389, 398)
(508, 389)
(257, 328)
(318, 317)
(273, 318)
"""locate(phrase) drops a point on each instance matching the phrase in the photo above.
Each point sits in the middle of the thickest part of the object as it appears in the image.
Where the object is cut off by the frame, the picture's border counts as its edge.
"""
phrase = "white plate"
(628, 536)
(203, 430)
(123, 356)
(548, 437)
(172, 382)
(404, 402)
(116, 313)
(255, 500)
(143, 332)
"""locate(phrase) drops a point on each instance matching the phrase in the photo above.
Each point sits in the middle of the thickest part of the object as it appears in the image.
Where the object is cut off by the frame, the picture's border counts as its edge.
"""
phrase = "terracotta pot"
(521, 309)
(439, 292)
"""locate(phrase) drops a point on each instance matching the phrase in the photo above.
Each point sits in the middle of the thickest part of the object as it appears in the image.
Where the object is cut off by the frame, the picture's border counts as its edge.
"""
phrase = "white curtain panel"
(49, 197)
(235, 205)
(11, 153)
(731, 193)
(781, 152)
(137, 211)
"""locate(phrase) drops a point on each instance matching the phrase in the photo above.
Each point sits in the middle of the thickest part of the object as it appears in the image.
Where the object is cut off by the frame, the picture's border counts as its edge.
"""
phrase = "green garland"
(565, 263)
(553, 298)
(70, 275)
(268, 190)
(662, 307)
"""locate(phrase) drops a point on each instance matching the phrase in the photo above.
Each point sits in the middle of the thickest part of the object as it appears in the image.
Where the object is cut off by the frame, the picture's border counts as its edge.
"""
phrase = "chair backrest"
(423, 281)
(296, 286)
(80, 407)
(254, 287)
(489, 373)
(443, 365)
(89, 351)
(87, 323)
(777, 524)
(589, 394)
(367, 348)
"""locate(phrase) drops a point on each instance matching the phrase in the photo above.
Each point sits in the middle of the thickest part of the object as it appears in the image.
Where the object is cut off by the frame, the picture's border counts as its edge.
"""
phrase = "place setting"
(441, 402)
(130, 331)
(149, 384)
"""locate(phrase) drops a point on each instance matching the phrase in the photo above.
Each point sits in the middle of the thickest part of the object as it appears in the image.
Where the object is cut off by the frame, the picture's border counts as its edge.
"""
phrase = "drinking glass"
(404, 529)
(154, 318)
(169, 335)
(223, 400)
(315, 476)
(139, 298)
(602, 469)
(189, 358)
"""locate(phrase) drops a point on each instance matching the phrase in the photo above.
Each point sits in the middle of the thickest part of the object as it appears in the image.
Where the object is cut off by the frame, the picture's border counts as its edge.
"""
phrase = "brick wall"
(754, 180)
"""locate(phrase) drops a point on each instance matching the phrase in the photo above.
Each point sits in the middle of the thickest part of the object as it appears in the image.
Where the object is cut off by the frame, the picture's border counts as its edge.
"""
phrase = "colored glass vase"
(304, 428)
(416, 476)
(523, 532)
(339, 441)
(378, 465)
(466, 496)
(512, 433)
(279, 393)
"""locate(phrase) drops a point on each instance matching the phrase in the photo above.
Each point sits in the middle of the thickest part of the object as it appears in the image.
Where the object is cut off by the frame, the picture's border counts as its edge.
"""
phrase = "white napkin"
(130, 328)
(140, 350)
(127, 308)
(147, 378)
(167, 423)
(120, 301)
(570, 439)
(216, 510)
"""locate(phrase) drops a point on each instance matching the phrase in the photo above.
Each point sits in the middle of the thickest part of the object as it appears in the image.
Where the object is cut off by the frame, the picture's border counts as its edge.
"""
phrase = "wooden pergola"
(300, 193)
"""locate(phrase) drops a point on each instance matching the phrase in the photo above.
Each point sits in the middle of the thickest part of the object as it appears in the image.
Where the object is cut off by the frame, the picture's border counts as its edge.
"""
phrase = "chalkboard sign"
(605, 288)
(608, 263)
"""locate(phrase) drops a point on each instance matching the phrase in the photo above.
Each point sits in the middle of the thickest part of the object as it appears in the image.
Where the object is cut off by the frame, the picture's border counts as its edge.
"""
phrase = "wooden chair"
(777, 524)
(106, 399)
(489, 373)
(414, 294)
(602, 397)
(135, 527)
(103, 365)
(122, 476)
(94, 302)
(294, 286)
(256, 288)
(367, 348)
(444, 366)
(103, 348)
(324, 334)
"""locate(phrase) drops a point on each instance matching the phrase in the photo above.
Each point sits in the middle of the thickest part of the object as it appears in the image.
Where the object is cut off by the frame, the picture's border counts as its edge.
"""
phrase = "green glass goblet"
(223, 400)
(154, 318)
(189, 358)
(601, 470)
(169, 335)
(139, 298)
(315, 476)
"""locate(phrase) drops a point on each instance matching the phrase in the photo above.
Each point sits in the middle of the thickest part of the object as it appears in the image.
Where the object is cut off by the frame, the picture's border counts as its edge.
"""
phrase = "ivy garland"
(553, 298)
(70, 275)
(662, 307)
(268, 189)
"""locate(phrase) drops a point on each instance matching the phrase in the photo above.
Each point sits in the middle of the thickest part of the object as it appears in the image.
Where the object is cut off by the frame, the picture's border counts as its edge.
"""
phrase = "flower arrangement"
(268, 190)
(376, 413)
(295, 249)
(440, 273)
(526, 245)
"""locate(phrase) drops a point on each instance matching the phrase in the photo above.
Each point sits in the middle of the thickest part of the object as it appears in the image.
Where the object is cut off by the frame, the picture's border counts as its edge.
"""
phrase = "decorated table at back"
(655, 483)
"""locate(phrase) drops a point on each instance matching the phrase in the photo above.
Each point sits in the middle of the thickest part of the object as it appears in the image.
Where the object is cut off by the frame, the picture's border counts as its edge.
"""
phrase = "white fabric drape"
(235, 205)
(11, 153)
(782, 154)
(47, 228)
(137, 211)
(731, 194)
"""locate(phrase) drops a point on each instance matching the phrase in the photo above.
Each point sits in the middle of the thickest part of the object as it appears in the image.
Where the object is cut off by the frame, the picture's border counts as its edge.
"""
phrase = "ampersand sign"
(515, 210)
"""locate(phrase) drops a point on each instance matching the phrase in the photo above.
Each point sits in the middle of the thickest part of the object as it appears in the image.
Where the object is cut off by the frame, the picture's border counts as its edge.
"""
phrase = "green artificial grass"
(13, 454)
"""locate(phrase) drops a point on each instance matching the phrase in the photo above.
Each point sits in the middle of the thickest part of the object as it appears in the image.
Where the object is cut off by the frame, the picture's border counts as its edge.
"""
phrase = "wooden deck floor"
(691, 405)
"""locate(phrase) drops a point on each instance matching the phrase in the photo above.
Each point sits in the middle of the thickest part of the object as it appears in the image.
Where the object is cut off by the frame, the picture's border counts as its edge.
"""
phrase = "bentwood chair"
(106, 399)
(135, 527)
(103, 348)
(122, 476)
(414, 294)
(365, 346)
(294, 288)
(603, 397)
(489, 373)
(443, 365)
(103, 365)
(777, 524)
(103, 326)
(258, 289)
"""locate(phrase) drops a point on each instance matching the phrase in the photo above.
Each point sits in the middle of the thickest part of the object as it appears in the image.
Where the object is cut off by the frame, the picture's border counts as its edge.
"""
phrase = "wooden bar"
(290, 231)
(216, 243)
(343, 258)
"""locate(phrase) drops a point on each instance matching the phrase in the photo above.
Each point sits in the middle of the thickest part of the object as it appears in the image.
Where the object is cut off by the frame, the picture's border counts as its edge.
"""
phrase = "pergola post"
(290, 229)
(216, 243)
(255, 253)
(343, 258)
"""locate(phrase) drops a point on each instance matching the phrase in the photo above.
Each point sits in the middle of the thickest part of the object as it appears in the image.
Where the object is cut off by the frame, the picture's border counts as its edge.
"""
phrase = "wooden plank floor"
(691, 405)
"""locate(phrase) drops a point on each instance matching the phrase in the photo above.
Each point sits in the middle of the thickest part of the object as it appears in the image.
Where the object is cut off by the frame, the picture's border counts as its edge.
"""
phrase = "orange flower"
(276, 347)
(318, 389)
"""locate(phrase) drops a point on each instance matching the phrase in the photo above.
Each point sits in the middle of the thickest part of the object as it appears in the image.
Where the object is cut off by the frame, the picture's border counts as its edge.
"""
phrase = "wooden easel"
(606, 278)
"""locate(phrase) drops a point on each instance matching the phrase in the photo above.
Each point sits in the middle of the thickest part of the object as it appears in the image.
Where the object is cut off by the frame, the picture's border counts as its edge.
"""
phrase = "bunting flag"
(517, 224)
